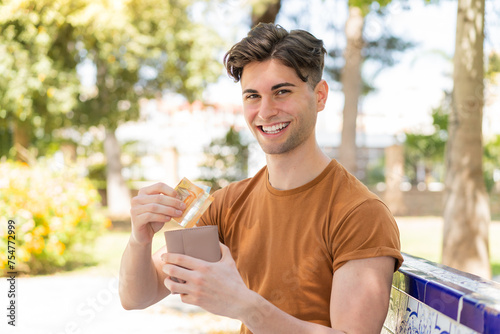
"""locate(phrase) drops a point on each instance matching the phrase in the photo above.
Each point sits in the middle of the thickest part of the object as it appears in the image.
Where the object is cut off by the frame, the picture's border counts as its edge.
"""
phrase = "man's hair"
(297, 49)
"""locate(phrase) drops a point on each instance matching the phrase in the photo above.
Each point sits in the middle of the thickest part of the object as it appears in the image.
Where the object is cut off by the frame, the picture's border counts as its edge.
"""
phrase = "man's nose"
(268, 108)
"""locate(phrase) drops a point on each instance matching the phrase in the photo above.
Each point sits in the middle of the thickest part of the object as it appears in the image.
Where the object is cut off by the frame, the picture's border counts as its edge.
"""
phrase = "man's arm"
(141, 280)
(360, 295)
(141, 275)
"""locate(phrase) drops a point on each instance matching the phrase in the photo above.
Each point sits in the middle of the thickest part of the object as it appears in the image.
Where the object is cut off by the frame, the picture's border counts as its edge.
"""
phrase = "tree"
(356, 51)
(226, 160)
(138, 49)
(427, 150)
(265, 11)
(466, 212)
(351, 87)
(38, 78)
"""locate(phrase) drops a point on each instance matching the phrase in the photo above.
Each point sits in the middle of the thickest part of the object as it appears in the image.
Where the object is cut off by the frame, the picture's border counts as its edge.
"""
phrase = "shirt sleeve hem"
(369, 253)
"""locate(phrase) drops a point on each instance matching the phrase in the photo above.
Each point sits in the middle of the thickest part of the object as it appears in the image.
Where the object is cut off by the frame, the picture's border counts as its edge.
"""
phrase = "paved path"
(65, 304)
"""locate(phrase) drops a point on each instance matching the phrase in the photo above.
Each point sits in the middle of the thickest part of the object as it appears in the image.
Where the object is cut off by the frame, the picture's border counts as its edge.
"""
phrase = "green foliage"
(375, 172)
(366, 5)
(38, 75)
(38, 79)
(56, 214)
(138, 48)
(97, 175)
(380, 50)
(6, 138)
(96, 171)
(493, 66)
(226, 160)
(491, 158)
(427, 150)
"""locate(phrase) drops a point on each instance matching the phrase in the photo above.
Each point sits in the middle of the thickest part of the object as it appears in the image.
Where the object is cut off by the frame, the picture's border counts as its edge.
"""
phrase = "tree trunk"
(69, 153)
(466, 212)
(117, 192)
(22, 140)
(351, 87)
(394, 171)
(265, 11)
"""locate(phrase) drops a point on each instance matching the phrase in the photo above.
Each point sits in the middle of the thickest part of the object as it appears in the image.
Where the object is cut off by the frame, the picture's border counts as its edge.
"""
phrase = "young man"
(306, 248)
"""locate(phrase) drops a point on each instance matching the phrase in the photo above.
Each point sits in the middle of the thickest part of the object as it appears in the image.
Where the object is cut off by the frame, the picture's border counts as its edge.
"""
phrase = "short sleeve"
(368, 230)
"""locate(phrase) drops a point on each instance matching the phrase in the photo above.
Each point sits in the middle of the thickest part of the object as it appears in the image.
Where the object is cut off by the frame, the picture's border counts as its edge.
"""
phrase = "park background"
(99, 98)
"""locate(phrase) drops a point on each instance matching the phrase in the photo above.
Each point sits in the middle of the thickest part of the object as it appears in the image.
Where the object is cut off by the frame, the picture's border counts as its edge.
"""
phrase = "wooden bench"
(427, 297)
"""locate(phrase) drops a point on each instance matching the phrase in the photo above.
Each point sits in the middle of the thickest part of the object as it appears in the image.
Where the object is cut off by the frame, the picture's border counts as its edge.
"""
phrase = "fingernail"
(183, 205)
(178, 212)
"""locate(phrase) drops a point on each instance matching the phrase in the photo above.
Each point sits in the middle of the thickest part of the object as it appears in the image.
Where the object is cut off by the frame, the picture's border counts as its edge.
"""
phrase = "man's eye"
(251, 96)
(282, 91)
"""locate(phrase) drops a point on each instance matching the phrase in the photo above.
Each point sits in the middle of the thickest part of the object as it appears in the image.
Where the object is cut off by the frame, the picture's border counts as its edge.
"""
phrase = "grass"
(420, 236)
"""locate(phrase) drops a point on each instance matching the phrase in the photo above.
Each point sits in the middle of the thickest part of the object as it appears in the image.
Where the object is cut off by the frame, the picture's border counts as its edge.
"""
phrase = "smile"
(273, 129)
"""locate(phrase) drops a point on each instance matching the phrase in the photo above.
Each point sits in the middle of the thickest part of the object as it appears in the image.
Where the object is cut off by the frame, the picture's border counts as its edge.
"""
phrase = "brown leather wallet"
(199, 242)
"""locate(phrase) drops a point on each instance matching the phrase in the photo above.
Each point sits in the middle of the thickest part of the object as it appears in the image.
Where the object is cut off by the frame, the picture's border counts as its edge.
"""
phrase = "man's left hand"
(214, 286)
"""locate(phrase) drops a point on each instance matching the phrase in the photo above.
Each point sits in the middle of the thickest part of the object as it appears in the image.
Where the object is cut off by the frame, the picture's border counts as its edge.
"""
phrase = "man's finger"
(155, 208)
(149, 217)
(185, 261)
(174, 287)
(158, 188)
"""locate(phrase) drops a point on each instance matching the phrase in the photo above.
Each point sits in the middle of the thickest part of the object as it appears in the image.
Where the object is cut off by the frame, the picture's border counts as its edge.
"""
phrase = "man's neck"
(294, 169)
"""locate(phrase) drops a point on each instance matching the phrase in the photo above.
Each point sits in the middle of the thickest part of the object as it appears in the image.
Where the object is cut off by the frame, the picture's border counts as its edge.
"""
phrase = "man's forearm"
(139, 283)
(263, 317)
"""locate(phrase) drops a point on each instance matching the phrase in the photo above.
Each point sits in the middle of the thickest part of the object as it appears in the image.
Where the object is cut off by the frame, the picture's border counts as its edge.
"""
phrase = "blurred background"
(101, 98)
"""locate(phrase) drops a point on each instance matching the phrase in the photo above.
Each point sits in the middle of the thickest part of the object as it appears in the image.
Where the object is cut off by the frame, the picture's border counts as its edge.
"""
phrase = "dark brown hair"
(297, 49)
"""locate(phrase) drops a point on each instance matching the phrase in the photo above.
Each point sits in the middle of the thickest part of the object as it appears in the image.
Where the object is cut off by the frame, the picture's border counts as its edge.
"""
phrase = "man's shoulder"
(348, 192)
(342, 182)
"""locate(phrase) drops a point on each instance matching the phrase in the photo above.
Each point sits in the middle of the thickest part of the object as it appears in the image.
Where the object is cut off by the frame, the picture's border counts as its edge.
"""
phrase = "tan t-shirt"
(287, 244)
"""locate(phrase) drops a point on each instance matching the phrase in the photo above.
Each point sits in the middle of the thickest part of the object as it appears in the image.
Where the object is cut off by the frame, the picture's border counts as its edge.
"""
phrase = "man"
(306, 248)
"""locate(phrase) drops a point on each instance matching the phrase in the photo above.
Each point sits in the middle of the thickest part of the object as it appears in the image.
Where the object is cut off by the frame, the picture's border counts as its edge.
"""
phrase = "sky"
(407, 92)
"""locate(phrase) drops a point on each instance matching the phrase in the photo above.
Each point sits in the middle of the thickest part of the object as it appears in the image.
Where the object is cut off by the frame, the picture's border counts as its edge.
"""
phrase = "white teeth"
(274, 128)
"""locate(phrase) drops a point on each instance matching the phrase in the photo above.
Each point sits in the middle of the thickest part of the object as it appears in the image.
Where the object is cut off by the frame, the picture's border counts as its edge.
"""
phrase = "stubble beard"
(296, 138)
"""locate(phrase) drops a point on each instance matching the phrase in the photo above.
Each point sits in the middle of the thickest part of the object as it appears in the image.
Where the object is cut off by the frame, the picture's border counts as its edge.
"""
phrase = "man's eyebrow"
(283, 84)
(277, 86)
(248, 90)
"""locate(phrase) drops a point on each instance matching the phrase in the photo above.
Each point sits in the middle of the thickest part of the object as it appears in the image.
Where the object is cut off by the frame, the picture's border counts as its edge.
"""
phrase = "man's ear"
(321, 92)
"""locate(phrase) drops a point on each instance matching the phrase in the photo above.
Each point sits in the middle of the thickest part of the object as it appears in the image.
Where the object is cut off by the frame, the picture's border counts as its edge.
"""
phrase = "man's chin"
(276, 150)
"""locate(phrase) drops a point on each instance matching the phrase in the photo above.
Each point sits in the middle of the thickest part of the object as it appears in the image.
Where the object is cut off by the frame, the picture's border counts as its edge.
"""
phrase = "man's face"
(280, 109)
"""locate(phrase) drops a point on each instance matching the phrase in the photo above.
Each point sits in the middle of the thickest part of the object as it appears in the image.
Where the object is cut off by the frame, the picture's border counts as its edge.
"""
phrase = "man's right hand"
(151, 209)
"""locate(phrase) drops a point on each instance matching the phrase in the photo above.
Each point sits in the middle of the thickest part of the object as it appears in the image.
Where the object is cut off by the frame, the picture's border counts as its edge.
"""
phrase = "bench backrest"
(427, 297)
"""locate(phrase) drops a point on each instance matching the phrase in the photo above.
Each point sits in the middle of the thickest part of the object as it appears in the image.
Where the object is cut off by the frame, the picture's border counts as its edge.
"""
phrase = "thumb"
(156, 226)
(225, 252)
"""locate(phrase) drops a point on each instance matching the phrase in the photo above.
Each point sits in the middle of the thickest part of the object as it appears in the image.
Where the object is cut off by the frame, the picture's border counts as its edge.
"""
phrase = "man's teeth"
(274, 128)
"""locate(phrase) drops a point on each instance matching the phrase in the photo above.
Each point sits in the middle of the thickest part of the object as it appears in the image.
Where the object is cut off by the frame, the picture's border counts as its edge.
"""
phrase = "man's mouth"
(273, 129)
